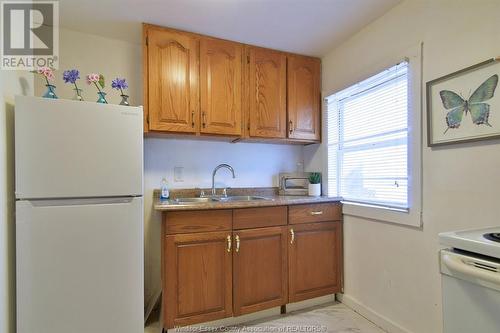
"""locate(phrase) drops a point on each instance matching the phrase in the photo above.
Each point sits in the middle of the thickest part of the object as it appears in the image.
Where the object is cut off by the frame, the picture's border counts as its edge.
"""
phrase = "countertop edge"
(277, 201)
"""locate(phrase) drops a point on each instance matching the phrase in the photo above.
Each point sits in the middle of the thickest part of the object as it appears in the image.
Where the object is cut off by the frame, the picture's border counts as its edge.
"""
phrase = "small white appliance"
(470, 270)
(79, 217)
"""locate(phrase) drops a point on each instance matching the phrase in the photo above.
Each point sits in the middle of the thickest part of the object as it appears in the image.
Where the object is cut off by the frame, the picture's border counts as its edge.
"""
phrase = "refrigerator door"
(80, 266)
(72, 149)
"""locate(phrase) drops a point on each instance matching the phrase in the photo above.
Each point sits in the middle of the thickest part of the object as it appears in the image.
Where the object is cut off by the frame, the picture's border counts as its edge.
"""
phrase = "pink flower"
(49, 75)
(92, 78)
(46, 72)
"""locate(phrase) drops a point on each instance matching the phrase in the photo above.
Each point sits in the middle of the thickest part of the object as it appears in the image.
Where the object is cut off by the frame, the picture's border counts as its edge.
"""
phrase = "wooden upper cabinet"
(197, 279)
(267, 93)
(304, 110)
(259, 269)
(173, 99)
(221, 86)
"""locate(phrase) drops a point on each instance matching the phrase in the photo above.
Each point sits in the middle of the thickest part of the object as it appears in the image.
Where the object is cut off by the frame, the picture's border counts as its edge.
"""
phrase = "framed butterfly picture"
(464, 106)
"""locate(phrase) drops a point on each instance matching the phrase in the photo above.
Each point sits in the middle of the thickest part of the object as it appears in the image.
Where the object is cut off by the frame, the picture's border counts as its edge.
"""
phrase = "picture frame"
(464, 106)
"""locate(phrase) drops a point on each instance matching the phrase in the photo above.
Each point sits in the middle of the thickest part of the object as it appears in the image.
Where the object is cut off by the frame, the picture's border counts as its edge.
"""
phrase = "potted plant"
(315, 184)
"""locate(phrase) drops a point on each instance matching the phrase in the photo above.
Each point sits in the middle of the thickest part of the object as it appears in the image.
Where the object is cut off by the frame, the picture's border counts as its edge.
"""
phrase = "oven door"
(471, 293)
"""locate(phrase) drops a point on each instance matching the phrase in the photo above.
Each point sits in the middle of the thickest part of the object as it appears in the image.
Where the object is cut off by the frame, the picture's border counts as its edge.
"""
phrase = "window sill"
(407, 217)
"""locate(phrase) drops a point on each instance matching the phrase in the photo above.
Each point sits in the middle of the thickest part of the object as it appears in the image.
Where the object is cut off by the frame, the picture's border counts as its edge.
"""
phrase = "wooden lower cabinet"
(223, 263)
(259, 269)
(198, 278)
(314, 260)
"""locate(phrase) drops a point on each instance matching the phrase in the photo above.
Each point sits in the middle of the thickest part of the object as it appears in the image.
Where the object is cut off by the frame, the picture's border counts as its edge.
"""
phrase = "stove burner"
(493, 236)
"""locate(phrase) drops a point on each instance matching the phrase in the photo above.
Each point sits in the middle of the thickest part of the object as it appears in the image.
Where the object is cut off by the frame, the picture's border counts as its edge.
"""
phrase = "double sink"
(199, 200)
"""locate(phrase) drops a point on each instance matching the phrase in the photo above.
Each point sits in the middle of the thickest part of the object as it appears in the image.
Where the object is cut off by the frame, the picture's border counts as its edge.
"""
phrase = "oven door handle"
(456, 264)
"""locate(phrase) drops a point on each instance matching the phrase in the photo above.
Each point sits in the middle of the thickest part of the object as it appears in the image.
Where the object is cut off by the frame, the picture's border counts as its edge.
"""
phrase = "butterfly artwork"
(475, 105)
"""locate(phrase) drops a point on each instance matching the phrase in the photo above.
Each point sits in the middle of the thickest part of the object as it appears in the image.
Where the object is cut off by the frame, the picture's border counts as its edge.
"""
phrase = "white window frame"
(413, 215)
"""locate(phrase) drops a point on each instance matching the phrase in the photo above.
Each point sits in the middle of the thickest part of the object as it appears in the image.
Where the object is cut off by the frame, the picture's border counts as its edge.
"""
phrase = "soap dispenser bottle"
(165, 194)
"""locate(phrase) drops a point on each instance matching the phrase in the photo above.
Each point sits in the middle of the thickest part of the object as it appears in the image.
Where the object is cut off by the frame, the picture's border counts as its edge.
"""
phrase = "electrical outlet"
(178, 174)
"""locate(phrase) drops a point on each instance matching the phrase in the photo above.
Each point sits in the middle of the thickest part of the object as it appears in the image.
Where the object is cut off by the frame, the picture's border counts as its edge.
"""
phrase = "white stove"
(470, 271)
(481, 241)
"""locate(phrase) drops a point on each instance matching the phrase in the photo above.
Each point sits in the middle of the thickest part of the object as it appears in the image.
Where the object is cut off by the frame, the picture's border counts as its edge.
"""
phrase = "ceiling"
(311, 27)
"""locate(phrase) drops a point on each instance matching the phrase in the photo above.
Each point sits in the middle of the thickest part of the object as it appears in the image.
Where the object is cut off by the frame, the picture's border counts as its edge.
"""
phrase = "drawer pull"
(292, 236)
(237, 243)
(317, 213)
(228, 243)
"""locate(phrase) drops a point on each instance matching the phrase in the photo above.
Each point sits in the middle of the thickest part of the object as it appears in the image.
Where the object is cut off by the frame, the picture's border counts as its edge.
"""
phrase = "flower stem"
(121, 91)
(46, 80)
(95, 83)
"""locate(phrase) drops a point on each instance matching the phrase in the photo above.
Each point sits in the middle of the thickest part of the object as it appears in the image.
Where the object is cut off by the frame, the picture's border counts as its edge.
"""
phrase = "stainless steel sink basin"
(192, 200)
(198, 200)
(243, 198)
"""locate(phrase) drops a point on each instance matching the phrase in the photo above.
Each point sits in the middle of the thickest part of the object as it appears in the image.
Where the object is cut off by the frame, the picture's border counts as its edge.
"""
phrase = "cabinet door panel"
(198, 278)
(259, 269)
(267, 95)
(221, 86)
(314, 260)
(303, 98)
(172, 82)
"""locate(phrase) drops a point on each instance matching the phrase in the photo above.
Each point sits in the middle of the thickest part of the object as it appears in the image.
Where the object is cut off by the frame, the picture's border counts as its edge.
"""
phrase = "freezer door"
(71, 149)
(80, 266)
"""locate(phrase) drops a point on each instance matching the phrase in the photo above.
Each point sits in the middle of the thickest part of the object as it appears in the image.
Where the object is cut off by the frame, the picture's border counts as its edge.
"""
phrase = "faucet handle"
(202, 194)
(224, 192)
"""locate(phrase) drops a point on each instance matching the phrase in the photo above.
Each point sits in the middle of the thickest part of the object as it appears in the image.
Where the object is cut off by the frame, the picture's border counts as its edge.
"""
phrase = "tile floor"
(328, 318)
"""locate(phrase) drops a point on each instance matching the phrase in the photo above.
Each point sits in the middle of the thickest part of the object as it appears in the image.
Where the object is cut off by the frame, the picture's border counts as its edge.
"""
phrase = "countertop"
(269, 193)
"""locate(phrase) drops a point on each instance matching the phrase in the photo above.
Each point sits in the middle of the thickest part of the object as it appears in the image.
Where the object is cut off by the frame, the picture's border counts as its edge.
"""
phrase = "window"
(368, 140)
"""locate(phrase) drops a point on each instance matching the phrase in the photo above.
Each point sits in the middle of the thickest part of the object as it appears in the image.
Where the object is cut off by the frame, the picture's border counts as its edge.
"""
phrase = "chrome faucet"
(227, 166)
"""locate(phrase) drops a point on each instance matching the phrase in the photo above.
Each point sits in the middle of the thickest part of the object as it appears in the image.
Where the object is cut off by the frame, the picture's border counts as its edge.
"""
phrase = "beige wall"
(255, 164)
(391, 272)
(11, 83)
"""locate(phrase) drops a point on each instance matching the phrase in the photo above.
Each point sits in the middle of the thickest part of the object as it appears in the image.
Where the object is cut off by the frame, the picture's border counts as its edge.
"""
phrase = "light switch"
(178, 174)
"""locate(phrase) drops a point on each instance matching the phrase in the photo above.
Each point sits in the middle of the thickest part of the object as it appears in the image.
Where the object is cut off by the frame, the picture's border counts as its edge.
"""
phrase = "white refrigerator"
(79, 217)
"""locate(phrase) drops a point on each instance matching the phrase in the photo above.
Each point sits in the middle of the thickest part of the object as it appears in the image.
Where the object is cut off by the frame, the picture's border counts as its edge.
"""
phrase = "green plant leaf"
(315, 178)
(101, 80)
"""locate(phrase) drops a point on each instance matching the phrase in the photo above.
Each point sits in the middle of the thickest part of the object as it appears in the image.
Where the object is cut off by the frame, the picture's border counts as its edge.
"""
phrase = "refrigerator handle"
(81, 201)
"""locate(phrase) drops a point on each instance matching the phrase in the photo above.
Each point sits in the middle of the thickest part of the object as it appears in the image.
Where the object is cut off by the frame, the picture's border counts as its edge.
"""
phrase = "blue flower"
(70, 76)
(119, 84)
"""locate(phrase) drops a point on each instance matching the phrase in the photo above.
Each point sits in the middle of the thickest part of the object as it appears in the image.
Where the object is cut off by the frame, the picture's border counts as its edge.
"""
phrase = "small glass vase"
(51, 91)
(78, 94)
(124, 100)
(102, 97)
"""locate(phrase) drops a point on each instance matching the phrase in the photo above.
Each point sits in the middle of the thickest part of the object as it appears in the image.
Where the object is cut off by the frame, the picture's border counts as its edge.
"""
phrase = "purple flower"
(119, 84)
(70, 76)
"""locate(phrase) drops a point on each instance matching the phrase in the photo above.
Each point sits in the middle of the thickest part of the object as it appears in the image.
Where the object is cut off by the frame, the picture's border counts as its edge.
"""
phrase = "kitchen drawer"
(197, 221)
(246, 218)
(321, 212)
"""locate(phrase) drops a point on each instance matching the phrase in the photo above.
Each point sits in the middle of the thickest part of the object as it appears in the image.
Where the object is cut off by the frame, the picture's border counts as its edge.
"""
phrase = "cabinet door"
(267, 93)
(304, 98)
(315, 259)
(173, 102)
(197, 278)
(221, 86)
(259, 269)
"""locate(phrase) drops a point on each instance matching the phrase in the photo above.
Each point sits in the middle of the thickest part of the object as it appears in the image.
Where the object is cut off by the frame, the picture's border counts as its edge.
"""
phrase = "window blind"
(368, 140)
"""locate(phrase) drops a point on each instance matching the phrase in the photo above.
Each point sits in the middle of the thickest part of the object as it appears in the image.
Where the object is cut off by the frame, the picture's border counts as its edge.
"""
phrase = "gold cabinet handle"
(228, 243)
(290, 127)
(237, 243)
(203, 116)
(292, 235)
(192, 118)
(317, 213)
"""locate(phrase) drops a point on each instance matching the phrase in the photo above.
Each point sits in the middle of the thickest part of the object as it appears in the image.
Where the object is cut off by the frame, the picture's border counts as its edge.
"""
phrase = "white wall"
(11, 83)
(255, 164)
(392, 271)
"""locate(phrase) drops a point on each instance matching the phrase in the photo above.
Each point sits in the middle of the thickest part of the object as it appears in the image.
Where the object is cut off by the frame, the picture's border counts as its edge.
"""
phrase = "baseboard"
(383, 322)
